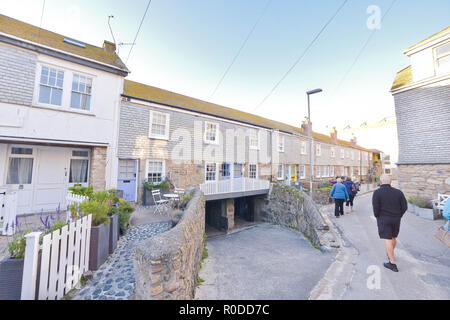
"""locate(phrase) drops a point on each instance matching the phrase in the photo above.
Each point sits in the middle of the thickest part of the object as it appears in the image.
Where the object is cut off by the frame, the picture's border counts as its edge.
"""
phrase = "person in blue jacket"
(351, 190)
(340, 194)
(446, 214)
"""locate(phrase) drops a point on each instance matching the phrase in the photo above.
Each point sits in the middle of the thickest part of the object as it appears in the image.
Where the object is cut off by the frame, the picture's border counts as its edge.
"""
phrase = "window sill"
(211, 142)
(64, 109)
(159, 138)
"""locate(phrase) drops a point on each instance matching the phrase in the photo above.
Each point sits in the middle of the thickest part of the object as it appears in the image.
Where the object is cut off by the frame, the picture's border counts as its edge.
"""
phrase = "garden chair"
(160, 204)
(180, 193)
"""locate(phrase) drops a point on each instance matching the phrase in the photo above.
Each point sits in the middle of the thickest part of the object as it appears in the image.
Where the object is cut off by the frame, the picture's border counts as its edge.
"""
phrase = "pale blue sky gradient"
(185, 46)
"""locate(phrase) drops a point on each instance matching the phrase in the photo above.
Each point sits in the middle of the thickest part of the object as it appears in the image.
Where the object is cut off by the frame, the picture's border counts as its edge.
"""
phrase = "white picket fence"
(8, 211)
(71, 199)
(64, 259)
(234, 185)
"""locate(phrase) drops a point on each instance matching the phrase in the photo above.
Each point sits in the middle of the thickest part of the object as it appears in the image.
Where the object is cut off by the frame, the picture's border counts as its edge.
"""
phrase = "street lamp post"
(308, 93)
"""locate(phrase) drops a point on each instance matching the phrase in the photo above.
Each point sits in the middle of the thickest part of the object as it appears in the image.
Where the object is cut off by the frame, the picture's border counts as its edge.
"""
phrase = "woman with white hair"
(340, 194)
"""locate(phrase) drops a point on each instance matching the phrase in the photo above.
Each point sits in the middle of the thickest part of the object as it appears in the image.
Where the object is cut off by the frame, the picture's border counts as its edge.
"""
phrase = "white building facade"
(59, 109)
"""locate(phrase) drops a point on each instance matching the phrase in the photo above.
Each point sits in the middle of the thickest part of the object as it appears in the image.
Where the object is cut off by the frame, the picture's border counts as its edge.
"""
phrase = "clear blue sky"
(185, 46)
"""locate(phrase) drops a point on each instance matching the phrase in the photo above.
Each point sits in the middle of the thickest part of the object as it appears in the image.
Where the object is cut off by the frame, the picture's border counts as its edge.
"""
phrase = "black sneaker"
(391, 266)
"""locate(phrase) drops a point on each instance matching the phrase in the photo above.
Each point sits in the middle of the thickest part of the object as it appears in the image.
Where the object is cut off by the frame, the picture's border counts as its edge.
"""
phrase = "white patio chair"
(160, 204)
(180, 193)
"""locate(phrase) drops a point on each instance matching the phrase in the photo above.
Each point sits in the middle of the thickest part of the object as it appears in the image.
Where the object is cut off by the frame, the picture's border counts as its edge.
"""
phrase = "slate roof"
(53, 40)
(153, 94)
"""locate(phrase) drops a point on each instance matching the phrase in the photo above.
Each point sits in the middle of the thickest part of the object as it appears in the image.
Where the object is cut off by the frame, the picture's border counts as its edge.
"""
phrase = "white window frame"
(29, 156)
(370, 156)
(318, 171)
(79, 92)
(441, 56)
(242, 170)
(250, 138)
(302, 172)
(163, 168)
(66, 89)
(318, 149)
(88, 158)
(366, 156)
(164, 136)
(331, 171)
(216, 175)
(281, 144)
(359, 155)
(282, 172)
(351, 171)
(303, 147)
(256, 172)
(342, 170)
(205, 140)
(342, 153)
(332, 152)
(352, 154)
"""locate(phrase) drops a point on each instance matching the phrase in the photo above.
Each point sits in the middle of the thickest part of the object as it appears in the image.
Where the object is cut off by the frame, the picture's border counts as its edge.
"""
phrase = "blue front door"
(127, 178)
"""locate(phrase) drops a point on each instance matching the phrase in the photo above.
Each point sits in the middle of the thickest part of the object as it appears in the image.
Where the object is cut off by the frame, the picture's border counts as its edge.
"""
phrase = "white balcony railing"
(234, 185)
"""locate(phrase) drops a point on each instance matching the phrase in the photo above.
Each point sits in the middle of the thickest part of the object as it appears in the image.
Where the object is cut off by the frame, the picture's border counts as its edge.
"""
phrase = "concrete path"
(261, 262)
(423, 261)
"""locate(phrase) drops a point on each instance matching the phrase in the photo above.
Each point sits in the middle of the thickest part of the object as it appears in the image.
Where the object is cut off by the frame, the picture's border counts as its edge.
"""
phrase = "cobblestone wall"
(293, 209)
(424, 181)
(166, 266)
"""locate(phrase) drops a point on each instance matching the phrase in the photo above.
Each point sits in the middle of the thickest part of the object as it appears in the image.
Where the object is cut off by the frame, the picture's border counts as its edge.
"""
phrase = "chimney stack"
(305, 126)
(109, 47)
(353, 140)
(333, 134)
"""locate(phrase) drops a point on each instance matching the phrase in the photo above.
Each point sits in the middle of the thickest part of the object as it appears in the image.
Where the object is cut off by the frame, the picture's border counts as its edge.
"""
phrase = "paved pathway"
(423, 261)
(115, 278)
(261, 262)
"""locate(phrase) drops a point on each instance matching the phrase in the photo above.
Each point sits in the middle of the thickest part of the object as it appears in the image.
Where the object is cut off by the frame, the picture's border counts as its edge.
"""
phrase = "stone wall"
(166, 266)
(97, 176)
(293, 209)
(424, 181)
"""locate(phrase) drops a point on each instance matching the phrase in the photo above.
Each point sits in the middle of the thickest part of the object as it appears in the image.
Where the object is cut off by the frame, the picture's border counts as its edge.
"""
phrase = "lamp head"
(313, 91)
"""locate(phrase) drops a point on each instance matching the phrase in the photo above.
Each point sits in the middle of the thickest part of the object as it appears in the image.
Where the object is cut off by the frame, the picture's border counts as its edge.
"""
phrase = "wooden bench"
(439, 203)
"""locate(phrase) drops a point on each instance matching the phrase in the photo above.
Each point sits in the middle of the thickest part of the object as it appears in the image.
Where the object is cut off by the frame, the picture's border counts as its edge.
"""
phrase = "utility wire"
(301, 56)
(240, 49)
(362, 49)
(40, 23)
(140, 25)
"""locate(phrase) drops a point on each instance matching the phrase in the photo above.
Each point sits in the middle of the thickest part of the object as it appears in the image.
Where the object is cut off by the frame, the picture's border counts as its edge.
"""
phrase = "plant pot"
(99, 246)
(425, 213)
(412, 208)
(148, 198)
(11, 273)
(113, 232)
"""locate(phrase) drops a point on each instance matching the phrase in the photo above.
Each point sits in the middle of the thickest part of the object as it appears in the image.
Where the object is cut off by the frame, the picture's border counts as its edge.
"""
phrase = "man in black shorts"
(389, 205)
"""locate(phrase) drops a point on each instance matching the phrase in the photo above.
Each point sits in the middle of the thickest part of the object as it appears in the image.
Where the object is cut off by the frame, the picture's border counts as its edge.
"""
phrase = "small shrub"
(82, 191)
(151, 186)
(98, 210)
(125, 209)
(419, 202)
(199, 281)
(16, 246)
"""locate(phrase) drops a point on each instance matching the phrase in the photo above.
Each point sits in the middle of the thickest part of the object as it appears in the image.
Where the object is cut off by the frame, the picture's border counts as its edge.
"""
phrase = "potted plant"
(164, 187)
(424, 209)
(11, 269)
(99, 242)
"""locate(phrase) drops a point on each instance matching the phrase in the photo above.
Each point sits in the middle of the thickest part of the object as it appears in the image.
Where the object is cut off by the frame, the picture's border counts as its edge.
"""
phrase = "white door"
(51, 179)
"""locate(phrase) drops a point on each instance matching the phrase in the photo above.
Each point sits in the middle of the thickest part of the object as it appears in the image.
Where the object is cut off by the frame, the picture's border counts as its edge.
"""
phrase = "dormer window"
(443, 58)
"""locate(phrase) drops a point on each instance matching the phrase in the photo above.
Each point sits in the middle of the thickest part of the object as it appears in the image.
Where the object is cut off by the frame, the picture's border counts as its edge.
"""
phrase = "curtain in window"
(20, 171)
(78, 171)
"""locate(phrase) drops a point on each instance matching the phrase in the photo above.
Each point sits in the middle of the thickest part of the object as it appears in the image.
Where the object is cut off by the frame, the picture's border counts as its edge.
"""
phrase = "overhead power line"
(240, 49)
(40, 23)
(302, 55)
(363, 48)
(139, 29)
